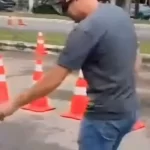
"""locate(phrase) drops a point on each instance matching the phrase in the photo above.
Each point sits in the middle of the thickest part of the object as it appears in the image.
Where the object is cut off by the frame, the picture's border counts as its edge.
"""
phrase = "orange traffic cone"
(4, 97)
(10, 21)
(40, 49)
(138, 125)
(79, 100)
(21, 22)
(42, 104)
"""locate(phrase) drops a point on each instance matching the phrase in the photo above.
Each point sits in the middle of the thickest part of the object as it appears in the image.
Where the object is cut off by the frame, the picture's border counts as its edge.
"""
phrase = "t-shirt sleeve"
(78, 47)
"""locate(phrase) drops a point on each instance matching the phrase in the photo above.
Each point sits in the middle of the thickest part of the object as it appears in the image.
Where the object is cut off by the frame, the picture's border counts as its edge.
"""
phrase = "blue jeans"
(103, 134)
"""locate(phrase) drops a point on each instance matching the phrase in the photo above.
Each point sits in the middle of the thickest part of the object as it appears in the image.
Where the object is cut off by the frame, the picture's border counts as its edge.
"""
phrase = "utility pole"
(137, 2)
(148, 2)
(113, 2)
(31, 3)
(128, 5)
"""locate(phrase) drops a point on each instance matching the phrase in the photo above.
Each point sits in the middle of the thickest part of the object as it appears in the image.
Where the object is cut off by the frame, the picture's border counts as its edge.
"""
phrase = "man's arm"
(51, 80)
(77, 49)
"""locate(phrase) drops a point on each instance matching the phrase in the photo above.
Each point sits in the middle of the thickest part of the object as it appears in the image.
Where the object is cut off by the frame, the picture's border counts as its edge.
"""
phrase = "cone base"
(138, 125)
(72, 116)
(38, 109)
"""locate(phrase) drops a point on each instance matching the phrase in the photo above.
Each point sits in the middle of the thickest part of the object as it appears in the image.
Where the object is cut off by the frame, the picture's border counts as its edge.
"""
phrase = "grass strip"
(145, 47)
(31, 36)
(50, 38)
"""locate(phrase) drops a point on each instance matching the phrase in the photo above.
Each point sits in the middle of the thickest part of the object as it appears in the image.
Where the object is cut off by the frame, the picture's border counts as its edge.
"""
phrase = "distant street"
(59, 26)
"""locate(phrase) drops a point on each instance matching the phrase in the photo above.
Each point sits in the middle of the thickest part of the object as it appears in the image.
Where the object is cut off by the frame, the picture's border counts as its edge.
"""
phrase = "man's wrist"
(15, 105)
(19, 101)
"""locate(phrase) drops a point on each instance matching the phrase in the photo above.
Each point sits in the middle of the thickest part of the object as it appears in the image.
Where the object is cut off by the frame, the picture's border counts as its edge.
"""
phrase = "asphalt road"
(33, 131)
(59, 26)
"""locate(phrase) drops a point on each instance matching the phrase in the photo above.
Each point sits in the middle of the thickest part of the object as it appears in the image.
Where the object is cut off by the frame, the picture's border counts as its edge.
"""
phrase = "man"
(104, 45)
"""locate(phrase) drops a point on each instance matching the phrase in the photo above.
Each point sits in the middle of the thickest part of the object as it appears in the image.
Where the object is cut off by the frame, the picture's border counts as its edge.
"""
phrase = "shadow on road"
(29, 133)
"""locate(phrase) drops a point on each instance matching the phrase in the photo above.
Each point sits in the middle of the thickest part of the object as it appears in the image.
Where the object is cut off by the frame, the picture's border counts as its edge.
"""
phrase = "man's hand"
(6, 110)
(51, 80)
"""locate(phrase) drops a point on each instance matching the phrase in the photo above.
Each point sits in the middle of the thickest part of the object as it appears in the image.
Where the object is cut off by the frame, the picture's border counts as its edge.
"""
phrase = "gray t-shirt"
(104, 45)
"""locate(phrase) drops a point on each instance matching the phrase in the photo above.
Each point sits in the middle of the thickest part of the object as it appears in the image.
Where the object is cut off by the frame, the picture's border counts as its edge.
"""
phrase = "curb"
(145, 58)
(27, 47)
(6, 45)
(142, 26)
(64, 21)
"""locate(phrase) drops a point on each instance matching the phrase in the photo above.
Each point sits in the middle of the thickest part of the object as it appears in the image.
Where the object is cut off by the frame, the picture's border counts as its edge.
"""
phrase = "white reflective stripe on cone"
(40, 34)
(80, 74)
(2, 78)
(135, 140)
(40, 41)
(38, 67)
(1, 62)
(80, 91)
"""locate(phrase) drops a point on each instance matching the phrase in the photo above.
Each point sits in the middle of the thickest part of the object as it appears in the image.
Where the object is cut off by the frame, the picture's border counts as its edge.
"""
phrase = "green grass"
(48, 16)
(30, 36)
(139, 21)
(145, 47)
(50, 38)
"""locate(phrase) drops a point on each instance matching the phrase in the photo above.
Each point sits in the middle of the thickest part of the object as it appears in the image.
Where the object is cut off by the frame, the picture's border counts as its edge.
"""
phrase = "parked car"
(144, 11)
(7, 5)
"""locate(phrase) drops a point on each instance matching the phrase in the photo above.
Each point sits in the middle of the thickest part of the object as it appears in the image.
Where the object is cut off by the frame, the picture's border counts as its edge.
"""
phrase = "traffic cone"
(42, 104)
(4, 96)
(79, 100)
(136, 139)
(40, 49)
(10, 21)
(21, 22)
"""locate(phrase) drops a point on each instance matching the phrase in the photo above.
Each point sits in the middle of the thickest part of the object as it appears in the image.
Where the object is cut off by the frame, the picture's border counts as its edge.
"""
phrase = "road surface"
(33, 131)
(59, 26)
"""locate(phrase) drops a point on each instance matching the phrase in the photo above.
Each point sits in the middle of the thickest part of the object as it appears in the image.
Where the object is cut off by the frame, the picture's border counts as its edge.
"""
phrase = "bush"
(44, 9)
